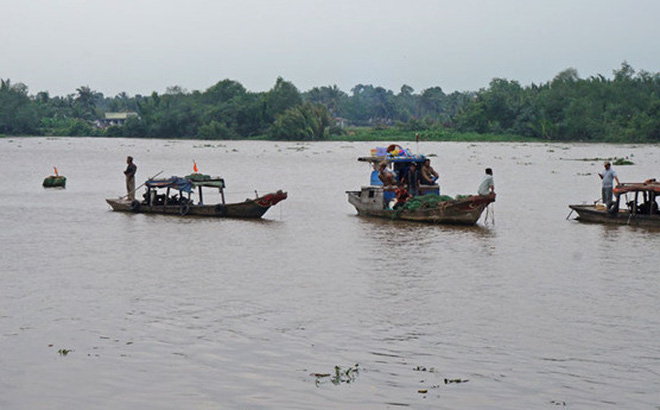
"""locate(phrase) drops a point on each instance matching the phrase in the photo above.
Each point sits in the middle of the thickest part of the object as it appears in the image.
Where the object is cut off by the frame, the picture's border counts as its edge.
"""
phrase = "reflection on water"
(170, 312)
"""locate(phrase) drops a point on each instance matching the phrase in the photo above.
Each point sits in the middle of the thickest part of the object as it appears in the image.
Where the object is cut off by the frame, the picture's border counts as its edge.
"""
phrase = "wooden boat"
(634, 204)
(54, 181)
(375, 200)
(158, 199)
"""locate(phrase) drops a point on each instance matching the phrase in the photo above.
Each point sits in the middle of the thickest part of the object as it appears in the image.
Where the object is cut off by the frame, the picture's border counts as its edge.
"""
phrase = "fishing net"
(198, 177)
(54, 181)
(426, 201)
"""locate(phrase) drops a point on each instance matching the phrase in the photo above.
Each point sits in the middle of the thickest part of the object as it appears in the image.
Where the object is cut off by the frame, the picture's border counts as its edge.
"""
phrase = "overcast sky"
(140, 46)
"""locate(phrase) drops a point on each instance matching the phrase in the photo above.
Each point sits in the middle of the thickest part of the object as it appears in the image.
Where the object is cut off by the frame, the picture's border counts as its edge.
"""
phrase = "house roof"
(119, 115)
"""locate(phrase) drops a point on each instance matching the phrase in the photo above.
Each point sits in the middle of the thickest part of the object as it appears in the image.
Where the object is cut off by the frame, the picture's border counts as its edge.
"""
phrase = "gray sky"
(140, 46)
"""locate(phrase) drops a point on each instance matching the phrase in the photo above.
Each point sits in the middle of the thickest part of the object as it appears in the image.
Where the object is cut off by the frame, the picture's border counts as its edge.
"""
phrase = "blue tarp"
(419, 159)
(178, 183)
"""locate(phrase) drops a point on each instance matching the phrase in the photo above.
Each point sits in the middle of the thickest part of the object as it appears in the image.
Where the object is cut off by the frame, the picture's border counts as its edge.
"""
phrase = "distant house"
(115, 118)
(341, 122)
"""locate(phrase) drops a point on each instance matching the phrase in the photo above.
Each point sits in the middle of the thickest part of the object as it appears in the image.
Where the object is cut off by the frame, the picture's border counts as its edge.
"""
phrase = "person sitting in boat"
(646, 208)
(411, 179)
(178, 199)
(386, 175)
(487, 185)
(428, 174)
(402, 195)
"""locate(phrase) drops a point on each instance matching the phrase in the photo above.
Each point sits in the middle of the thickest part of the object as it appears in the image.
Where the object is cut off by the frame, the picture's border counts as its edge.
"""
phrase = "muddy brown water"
(525, 310)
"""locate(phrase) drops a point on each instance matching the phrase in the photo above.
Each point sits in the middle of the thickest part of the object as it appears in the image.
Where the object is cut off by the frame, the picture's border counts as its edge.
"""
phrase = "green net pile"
(54, 181)
(198, 177)
(427, 201)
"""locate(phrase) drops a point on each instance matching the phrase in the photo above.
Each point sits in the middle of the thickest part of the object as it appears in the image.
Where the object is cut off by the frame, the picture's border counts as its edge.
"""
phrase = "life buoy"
(185, 208)
(135, 205)
(221, 210)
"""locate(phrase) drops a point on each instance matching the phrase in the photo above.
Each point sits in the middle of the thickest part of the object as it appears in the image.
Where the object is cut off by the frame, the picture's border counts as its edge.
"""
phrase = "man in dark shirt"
(411, 179)
(130, 171)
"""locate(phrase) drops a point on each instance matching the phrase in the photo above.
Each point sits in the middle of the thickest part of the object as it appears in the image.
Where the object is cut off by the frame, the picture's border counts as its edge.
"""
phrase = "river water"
(313, 306)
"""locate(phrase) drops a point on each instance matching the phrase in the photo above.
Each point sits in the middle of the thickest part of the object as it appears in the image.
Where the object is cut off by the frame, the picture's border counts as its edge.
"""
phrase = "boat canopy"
(393, 154)
(389, 158)
(174, 182)
(212, 183)
(187, 183)
(650, 185)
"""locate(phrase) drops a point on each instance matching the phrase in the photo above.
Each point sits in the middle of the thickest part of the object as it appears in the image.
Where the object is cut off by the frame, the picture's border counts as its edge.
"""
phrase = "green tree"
(17, 113)
(281, 97)
(85, 102)
(332, 97)
(306, 122)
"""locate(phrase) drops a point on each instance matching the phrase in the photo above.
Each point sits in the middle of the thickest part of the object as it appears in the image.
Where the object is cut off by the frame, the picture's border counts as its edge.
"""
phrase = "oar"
(135, 190)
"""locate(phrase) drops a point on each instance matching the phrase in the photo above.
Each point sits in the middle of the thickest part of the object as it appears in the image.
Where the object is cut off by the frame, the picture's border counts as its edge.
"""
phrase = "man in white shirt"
(608, 176)
(487, 185)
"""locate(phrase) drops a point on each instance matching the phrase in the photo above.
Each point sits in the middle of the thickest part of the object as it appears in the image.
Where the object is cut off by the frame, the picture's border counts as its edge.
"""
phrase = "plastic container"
(389, 195)
(374, 179)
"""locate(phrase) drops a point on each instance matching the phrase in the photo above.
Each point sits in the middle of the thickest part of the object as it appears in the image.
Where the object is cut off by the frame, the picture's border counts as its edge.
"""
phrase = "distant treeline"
(568, 108)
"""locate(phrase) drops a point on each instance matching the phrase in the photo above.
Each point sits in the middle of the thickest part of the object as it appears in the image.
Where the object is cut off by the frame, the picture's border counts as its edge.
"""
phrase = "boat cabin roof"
(394, 159)
(174, 182)
(187, 183)
(650, 185)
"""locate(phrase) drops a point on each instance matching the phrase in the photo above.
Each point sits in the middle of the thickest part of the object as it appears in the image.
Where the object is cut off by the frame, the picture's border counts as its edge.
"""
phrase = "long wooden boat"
(158, 199)
(634, 204)
(369, 201)
(375, 200)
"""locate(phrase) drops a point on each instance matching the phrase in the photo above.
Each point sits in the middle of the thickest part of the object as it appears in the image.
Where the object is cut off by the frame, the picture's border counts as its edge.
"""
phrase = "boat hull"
(251, 208)
(464, 211)
(599, 214)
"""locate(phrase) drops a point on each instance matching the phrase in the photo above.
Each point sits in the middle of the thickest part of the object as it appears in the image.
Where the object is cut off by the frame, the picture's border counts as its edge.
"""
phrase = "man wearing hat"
(608, 176)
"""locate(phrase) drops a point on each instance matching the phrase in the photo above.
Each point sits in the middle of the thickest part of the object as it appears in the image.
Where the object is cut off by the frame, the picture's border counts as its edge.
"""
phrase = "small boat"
(634, 204)
(375, 200)
(173, 196)
(54, 181)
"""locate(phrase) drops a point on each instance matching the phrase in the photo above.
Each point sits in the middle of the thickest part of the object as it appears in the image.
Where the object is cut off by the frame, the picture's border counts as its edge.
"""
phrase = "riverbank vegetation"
(623, 108)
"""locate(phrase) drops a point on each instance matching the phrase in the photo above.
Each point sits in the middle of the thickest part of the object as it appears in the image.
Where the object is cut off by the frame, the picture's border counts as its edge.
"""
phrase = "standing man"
(411, 179)
(487, 185)
(608, 176)
(130, 171)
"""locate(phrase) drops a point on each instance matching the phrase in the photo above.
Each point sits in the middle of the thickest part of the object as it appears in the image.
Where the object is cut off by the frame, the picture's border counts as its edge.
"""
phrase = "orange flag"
(56, 174)
(194, 166)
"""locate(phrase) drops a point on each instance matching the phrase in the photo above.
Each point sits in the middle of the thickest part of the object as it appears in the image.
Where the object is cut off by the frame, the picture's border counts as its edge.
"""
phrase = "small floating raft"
(55, 181)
